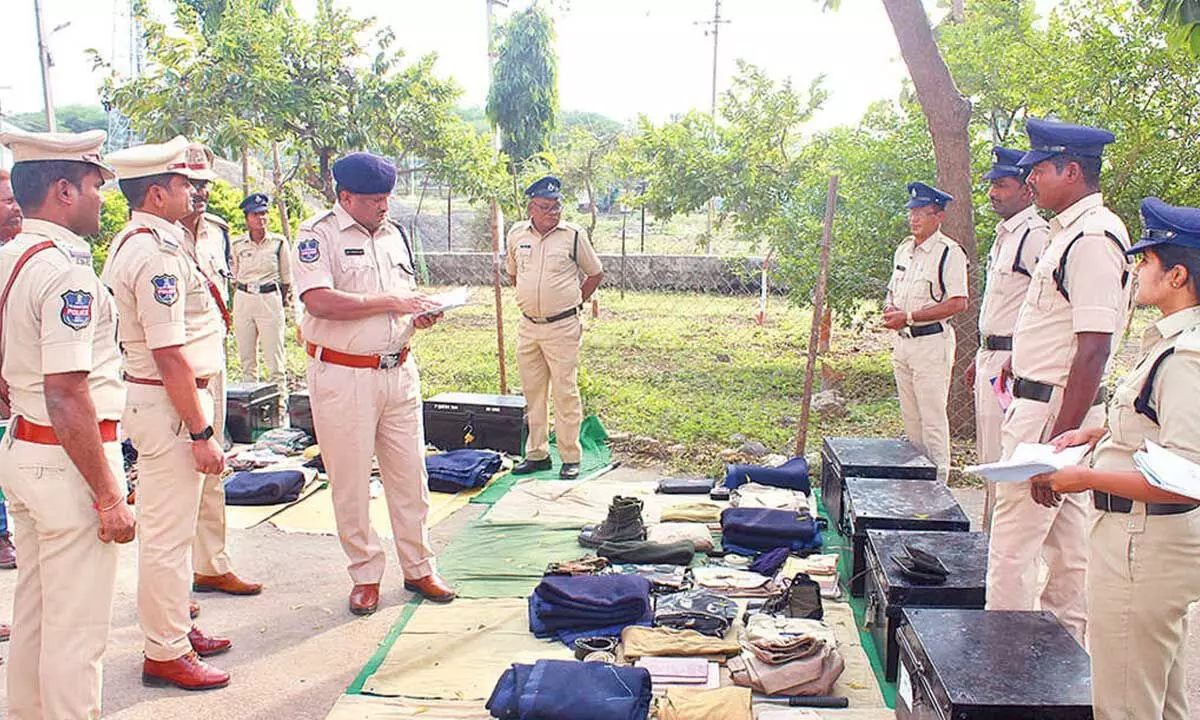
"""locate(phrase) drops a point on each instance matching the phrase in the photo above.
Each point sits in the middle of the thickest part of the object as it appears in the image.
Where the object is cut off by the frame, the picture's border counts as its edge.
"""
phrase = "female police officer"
(1143, 570)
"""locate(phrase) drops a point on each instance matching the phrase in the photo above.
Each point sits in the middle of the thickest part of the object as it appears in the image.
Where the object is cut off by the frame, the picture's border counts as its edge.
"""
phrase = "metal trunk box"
(888, 591)
(250, 410)
(300, 412)
(490, 422)
(990, 665)
(895, 505)
(843, 457)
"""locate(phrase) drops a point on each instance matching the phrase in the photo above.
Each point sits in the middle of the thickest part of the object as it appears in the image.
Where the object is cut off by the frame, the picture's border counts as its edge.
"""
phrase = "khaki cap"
(200, 162)
(155, 159)
(81, 147)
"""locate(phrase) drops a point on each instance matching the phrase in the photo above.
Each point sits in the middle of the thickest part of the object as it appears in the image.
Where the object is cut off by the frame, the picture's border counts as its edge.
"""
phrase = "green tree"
(1183, 16)
(523, 98)
(69, 118)
(583, 153)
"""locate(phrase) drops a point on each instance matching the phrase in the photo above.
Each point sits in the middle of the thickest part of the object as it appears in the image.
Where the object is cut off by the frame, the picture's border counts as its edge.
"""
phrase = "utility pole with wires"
(714, 29)
(44, 62)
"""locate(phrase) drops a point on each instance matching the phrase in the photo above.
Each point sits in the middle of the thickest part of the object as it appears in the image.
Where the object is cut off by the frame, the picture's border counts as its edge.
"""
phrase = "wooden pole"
(449, 218)
(278, 172)
(497, 220)
(624, 273)
(814, 336)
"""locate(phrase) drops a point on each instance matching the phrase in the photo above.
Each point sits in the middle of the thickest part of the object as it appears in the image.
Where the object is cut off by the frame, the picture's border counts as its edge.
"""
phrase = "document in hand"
(450, 299)
(1168, 471)
(1027, 460)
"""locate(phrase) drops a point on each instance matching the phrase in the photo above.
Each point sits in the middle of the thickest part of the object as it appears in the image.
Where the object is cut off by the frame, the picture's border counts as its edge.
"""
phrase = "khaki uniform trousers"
(988, 418)
(169, 501)
(1141, 580)
(357, 411)
(209, 556)
(1024, 532)
(259, 316)
(62, 606)
(922, 368)
(548, 360)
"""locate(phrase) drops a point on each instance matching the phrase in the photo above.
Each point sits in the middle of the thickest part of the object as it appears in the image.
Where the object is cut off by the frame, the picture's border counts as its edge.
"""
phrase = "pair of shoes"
(624, 522)
(193, 609)
(8, 553)
(432, 587)
(569, 471)
(528, 466)
(364, 599)
(188, 673)
(228, 583)
(206, 646)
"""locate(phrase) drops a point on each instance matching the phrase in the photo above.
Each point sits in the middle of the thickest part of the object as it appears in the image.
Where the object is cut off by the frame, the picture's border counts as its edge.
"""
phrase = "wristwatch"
(908, 318)
(204, 434)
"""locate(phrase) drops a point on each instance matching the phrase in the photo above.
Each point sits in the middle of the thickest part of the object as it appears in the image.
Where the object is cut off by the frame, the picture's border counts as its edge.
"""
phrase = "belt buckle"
(906, 331)
(389, 361)
(255, 288)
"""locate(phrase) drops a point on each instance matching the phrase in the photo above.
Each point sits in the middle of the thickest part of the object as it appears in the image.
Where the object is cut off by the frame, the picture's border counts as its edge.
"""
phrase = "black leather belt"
(587, 645)
(1042, 392)
(553, 318)
(1117, 504)
(258, 289)
(998, 342)
(914, 331)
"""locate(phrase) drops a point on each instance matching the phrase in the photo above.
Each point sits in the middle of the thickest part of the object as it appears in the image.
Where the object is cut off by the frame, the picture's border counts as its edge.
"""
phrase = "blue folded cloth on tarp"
(566, 607)
(264, 487)
(769, 562)
(766, 529)
(571, 690)
(793, 475)
(457, 470)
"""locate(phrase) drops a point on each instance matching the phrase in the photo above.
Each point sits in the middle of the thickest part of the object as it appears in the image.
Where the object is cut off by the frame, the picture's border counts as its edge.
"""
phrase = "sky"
(621, 58)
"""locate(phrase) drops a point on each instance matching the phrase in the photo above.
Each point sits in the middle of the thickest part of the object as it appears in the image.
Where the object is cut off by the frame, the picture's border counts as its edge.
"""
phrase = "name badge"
(355, 251)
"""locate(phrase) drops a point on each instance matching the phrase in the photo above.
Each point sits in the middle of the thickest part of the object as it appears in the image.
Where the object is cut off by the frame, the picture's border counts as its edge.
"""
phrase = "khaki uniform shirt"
(208, 250)
(163, 299)
(1044, 341)
(1172, 397)
(918, 273)
(1011, 262)
(59, 319)
(334, 251)
(259, 263)
(547, 268)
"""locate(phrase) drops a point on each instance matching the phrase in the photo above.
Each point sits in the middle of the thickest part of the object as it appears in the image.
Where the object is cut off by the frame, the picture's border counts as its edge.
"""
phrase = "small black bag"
(801, 599)
(685, 486)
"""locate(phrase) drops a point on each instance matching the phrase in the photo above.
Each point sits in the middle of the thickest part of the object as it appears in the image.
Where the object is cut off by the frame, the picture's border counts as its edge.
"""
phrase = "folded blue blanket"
(571, 690)
(464, 469)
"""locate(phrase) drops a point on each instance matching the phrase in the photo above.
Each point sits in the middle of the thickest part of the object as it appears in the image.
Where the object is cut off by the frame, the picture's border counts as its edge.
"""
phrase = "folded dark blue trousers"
(594, 591)
(565, 607)
(793, 475)
(571, 690)
(463, 469)
(264, 487)
(768, 522)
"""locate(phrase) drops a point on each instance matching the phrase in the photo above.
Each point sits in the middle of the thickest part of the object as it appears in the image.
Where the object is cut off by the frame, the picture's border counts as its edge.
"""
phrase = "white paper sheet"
(1027, 460)
(1168, 471)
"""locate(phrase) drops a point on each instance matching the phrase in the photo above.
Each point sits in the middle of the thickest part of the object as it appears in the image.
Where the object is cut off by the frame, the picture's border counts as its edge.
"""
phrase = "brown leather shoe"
(433, 587)
(364, 599)
(228, 583)
(188, 672)
(193, 609)
(8, 553)
(206, 646)
(5, 632)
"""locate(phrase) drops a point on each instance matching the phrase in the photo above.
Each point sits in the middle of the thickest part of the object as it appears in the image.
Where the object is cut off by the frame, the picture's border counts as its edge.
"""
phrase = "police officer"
(1020, 238)
(10, 227)
(1068, 325)
(206, 241)
(355, 275)
(1142, 572)
(546, 257)
(172, 338)
(262, 274)
(928, 287)
(60, 461)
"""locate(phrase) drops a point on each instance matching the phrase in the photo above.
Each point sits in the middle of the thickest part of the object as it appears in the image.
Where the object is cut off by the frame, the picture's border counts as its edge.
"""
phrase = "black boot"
(525, 467)
(624, 522)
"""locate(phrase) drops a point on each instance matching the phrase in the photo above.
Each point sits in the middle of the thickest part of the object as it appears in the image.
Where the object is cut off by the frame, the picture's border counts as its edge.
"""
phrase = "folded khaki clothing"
(813, 675)
(761, 627)
(692, 512)
(727, 703)
(670, 532)
(639, 641)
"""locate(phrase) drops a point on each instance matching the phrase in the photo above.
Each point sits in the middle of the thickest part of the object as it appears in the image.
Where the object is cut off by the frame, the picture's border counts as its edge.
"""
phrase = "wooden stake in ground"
(818, 310)
(498, 220)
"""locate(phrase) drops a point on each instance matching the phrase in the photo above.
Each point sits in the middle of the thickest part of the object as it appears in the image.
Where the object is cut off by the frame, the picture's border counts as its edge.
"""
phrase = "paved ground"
(296, 647)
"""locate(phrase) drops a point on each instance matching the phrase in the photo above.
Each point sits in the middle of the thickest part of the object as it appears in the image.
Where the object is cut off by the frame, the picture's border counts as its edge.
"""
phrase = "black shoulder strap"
(575, 249)
(228, 248)
(1060, 273)
(1018, 266)
(1142, 403)
(412, 259)
(941, 276)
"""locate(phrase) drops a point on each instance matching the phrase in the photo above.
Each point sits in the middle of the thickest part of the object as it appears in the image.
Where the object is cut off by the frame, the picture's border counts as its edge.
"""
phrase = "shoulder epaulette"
(312, 221)
(217, 220)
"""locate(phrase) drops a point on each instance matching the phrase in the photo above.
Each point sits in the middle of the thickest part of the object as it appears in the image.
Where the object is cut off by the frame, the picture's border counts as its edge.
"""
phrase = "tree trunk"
(826, 330)
(245, 171)
(326, 179)
(279, 201)
(948, 114)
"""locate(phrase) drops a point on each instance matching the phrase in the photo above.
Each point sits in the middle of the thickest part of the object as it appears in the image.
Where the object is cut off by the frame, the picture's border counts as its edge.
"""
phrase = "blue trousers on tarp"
(767, 529)
(567, 607)
(793, 475)
(464, 469)
(571, 690)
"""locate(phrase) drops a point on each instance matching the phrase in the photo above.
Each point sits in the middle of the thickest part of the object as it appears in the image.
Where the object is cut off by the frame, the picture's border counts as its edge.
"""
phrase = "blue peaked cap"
(920, 195)
(1167, 225)
(365, 174)
(1048, 138)
(255, 203)
(1004, 164)
(547, 187)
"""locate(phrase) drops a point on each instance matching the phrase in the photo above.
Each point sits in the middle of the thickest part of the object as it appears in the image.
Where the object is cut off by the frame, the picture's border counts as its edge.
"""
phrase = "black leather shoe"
(527, 466)
(569, 471)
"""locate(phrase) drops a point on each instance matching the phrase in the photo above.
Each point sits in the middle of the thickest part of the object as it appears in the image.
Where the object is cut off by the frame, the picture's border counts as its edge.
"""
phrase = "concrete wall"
(686, 273)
